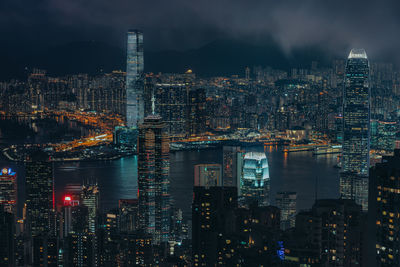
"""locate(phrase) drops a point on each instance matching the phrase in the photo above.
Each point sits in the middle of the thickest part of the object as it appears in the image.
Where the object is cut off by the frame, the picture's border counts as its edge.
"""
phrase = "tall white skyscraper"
(134, 79)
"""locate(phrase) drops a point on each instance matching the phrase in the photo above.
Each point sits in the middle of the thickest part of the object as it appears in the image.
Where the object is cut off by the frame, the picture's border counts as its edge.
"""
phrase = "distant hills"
(221, 57)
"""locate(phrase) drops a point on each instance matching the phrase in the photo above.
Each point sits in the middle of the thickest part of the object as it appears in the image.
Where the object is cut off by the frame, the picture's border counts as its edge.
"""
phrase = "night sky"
(182, 25)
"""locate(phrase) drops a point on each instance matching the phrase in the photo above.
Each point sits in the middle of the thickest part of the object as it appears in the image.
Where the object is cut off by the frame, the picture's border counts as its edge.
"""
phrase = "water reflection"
(118, 179)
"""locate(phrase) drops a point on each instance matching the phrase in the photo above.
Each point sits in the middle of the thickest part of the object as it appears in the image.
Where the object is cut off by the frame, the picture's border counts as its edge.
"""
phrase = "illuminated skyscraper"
(356, 126)
(134, 79)
(8, 190)
(153, 183)
(254, 183)
(90, 199)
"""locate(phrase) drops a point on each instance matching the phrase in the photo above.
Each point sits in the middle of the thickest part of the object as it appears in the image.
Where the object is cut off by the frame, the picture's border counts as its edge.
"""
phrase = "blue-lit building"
(255, 180)
(383, 135)
(125, 136)
(134, 79)
(356, 129)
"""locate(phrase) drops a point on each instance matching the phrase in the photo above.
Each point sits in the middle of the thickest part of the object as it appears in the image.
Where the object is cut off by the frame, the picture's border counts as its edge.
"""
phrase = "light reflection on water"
(117, 179)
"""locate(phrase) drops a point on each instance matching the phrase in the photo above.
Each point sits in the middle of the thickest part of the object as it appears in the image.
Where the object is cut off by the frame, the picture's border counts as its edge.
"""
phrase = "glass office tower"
(134, 79)
(356, 128)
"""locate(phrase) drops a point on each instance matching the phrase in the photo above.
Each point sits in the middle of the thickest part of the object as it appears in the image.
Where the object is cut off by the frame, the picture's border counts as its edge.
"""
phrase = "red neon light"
(67, 198)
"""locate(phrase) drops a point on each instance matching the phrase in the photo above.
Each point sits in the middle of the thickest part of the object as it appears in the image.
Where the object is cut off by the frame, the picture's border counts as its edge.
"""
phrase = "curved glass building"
(255, 180)
(356, 128)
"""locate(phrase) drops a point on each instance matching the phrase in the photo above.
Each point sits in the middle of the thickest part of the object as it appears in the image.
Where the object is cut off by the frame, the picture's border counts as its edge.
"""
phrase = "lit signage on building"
(281, 251)
(7, 171)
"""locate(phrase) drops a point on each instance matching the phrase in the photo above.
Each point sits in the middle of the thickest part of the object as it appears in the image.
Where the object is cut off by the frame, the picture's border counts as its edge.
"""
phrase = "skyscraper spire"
(153, 104)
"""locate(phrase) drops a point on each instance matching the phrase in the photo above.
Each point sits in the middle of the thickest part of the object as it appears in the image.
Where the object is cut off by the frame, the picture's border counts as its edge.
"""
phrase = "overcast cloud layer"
(178, 24)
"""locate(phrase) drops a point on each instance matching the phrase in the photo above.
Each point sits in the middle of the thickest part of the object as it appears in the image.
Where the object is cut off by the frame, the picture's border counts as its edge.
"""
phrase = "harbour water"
(309, 175)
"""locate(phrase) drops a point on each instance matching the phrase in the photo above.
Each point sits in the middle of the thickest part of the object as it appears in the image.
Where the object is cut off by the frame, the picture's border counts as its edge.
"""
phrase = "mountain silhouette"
(220, 57)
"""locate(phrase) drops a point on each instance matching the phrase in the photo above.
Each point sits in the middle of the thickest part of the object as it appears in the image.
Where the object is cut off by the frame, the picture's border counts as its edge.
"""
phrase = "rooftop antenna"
(153, 104)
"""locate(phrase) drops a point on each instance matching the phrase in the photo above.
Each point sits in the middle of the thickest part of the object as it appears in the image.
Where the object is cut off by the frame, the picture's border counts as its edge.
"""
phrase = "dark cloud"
(178, 24)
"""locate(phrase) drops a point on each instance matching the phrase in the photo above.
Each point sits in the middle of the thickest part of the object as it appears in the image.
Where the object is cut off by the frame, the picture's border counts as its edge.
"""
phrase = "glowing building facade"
(255, 180)
(8, 190)
(153, 183)
(356, 129)
(134, 79)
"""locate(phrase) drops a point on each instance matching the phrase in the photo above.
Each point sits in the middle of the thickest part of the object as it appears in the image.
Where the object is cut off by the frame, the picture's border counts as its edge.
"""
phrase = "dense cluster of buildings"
(261, 99)
(354, 103)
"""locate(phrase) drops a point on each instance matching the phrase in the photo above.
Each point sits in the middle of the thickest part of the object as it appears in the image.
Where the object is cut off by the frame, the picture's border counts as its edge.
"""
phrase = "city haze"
(332, 27)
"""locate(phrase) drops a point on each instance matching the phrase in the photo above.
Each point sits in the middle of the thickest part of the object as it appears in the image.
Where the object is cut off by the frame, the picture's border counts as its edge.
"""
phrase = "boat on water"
(334, 149)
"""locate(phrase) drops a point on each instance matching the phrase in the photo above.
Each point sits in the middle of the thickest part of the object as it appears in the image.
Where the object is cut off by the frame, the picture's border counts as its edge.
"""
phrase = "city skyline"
(177, 134)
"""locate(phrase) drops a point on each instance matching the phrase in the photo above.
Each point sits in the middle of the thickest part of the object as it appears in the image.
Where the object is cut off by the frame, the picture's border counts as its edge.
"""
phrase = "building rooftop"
(255, 155)
(358, 53)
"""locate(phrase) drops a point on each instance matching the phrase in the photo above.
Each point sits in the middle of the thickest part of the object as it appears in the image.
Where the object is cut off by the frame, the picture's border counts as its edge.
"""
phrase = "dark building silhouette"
(213, 223)
(232, 165)
(135, 249)
(128, 215)
(386, 209)
(257, 236)
(331, 234)
(41, 220)
(7, 232)
(39, 193)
